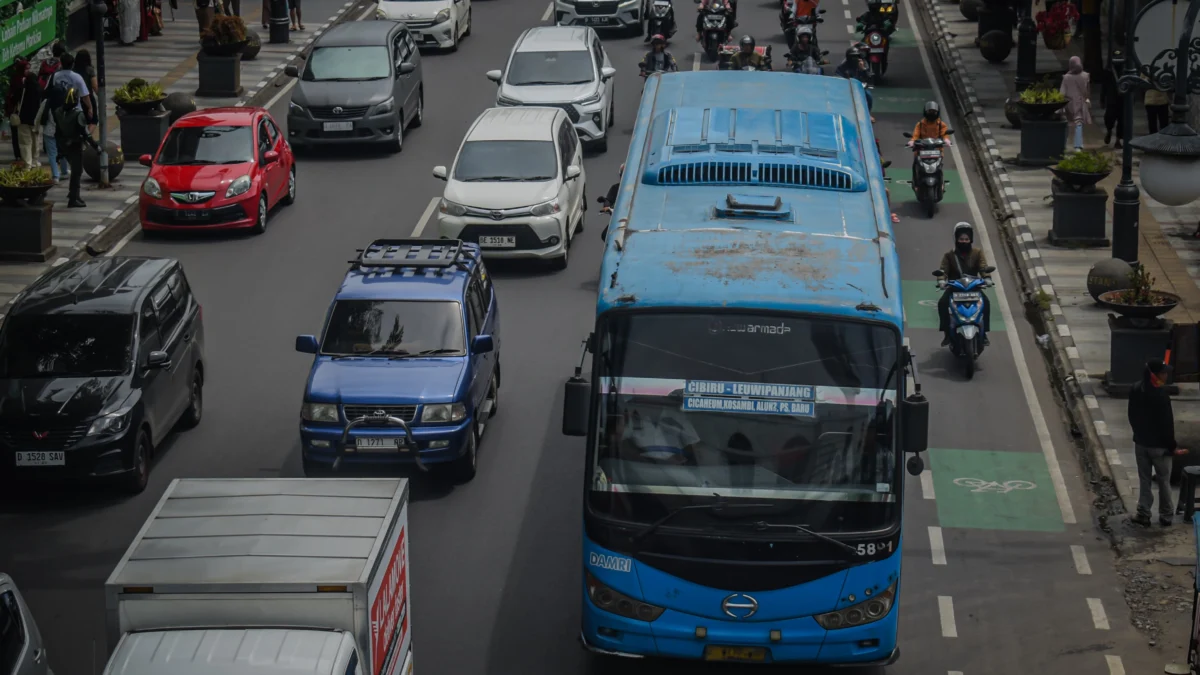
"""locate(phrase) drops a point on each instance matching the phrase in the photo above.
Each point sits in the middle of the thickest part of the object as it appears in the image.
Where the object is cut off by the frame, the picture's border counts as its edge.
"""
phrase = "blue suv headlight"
(444, 412)
(326, 413)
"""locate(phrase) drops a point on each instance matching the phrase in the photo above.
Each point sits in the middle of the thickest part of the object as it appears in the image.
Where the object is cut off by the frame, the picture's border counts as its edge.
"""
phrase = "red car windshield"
(207, 145)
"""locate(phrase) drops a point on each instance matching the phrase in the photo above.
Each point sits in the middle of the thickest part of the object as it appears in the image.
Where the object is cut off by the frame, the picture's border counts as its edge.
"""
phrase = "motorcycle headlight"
(546, 208)
(660, 11)
(325, 413)
(875, 39)
(929, 166)
(386, 107)
(451, 209)
(112, 423)
(239, 186)
(152, 188)
(868, 611)
(620, 604)
(442, 16)
(443, 412)
(714, 21)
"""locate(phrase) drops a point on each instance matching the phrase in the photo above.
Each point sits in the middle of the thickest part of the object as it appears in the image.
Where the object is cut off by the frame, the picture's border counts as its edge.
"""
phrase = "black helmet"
(932, 111)
(964, 228)
(747, 41)
(658, 40)
(853, 53)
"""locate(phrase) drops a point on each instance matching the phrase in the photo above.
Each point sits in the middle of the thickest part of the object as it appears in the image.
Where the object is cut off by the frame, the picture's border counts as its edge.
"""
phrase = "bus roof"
(773, 205)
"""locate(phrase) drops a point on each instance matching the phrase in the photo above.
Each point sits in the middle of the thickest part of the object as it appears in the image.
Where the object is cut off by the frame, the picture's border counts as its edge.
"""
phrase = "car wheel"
(290, 197)
(467, 32)
(138, 478)
(464, 468)
(582, 212)
(398, 144)
(454, 37)
(612, 113)
(195, 410)
(260, 221)
(601, 145)
(494, 395)
(419, 116)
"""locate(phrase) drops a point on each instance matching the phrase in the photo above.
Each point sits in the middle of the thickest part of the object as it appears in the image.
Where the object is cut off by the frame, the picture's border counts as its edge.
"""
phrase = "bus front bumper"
(803, 641)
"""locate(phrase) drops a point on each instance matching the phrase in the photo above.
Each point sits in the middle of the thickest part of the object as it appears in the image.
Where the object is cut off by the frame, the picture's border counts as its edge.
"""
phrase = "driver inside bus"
(656, 433)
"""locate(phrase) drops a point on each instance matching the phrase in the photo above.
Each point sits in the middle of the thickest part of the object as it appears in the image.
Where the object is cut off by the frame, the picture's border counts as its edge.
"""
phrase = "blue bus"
(747, 410)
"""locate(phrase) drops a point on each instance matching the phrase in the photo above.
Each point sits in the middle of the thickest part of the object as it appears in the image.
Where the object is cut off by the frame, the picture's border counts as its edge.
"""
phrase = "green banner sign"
(26, 32)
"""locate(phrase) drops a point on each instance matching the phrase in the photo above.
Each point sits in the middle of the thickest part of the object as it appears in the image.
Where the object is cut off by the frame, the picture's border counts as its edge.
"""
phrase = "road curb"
(118, 224)
(1078, 389)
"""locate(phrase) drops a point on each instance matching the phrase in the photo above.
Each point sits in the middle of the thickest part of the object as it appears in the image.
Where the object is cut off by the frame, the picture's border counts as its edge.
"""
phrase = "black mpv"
(99, 360)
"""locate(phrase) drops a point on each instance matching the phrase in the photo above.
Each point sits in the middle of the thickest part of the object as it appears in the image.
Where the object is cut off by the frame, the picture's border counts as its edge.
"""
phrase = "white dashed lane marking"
(946, 609)
(549, 11)
(1115, 666)
(927, 484)
(936, 546)
(1099, 618)
(1081, 562)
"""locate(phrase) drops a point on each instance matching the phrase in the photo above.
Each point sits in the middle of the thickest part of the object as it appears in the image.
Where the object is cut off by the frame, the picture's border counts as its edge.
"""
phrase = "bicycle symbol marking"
(980, 485)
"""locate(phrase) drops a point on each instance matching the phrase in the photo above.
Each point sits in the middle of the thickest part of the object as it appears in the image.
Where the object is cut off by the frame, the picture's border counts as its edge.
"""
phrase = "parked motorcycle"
(966, 315)
(662, 19)
(717, 23)
(806, 66)
(928, 182)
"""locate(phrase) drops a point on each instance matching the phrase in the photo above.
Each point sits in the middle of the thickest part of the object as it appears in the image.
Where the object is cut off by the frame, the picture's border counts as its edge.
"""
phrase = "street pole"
(1126, 197)
(1026, 48)
(99, 9)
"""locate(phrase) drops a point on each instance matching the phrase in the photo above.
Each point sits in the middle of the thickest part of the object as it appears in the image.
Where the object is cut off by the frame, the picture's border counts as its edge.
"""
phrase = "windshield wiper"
(763, 526)
(536, 83)
(401, 354)
(717, 506)
(347, 79)
(235, 161)
(537, 178)
(494, 179)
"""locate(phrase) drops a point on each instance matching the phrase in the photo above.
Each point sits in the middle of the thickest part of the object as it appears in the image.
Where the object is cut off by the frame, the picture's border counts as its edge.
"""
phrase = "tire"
(582, 214)
(467, 32)
(969, 360)
(454, 45)
(494, 394)
(290, 197)
(464, 468)
(612, 113)
(398, 144)
(190, 419)
(135, 481)
(930, 207)
(419, 116)
(260, 221)
(601, 145)
(640, 29)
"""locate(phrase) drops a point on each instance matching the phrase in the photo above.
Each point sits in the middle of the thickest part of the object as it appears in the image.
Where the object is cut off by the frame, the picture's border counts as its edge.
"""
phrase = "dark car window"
(476, 310)
(485, 284)
(170, 307)
(149, 339)
(348, 64)
(548, 68)
(393, 328)
(490, 161)
(352, 667)
(275, 133)
(66, 345)
(12, 632)
(207, 145)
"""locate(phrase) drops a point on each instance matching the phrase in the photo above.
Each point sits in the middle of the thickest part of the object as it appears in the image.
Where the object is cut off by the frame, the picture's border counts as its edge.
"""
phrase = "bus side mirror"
(914, 423)
(577, 395)
(915, 465)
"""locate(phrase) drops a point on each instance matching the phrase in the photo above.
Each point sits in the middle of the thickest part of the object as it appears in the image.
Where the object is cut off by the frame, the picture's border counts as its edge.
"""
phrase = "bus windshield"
(782, 410)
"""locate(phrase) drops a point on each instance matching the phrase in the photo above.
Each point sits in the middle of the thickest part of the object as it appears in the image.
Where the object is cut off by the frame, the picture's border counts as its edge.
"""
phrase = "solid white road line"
(549, 11)
(1081, 562)
(121, 244)
(1031, 397)
(946, 609)
(927, 484)
(1115, 666)
(936, 546)
(433, 204)
(1099, 618)
(696, 61)
(955, 672)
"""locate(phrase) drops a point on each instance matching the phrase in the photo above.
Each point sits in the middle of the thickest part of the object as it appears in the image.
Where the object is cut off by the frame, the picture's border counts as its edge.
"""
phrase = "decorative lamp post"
(1026, 48)
(98, 9)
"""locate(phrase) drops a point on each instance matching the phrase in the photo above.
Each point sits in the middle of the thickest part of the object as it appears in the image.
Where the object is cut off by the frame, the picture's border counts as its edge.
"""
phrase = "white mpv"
(517, 186)
(433, 23)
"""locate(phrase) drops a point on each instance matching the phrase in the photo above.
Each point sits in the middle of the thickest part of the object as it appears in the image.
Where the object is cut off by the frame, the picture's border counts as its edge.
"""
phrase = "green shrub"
(138, 90)
(225, 30)
(1086, 161)
(17, 176)
(1044, 92)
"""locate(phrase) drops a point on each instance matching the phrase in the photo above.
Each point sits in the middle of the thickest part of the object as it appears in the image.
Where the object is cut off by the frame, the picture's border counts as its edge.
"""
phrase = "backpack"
(47, 70)
(55, 95)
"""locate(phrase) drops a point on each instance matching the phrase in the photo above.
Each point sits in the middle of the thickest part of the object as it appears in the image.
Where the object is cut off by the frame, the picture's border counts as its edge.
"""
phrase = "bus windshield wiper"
(763, 526)
(719, 505)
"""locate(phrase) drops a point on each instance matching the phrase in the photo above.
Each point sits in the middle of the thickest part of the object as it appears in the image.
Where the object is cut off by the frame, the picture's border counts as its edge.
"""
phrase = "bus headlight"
(620, 604)
(868, 611)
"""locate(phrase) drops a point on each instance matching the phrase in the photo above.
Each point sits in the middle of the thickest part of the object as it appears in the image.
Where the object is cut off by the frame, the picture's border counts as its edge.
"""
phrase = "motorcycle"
(662, 19)
(718, 27)
(807, 65)
(604, 204)
(966, 315)
(878, 45)
(727, 51)
(928, 182)
(792, 25)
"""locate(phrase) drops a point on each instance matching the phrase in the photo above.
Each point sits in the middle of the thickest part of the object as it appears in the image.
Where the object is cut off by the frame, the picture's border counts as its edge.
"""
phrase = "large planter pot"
(1042, 142)
(1079, 217)
(1131, 344)
(1056, 42)
(215, 49)
(1163, 303)
(253, 46)
(21, 196)
(142, 134)
(996, 46)
(1077, 181)
(1038, 111)
(91, 161)
(220, 76)
(26, 234)
(970, 9)
(140, 107)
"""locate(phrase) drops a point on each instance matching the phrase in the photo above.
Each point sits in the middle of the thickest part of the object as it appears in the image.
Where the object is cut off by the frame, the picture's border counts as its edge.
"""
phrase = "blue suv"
(407, 370)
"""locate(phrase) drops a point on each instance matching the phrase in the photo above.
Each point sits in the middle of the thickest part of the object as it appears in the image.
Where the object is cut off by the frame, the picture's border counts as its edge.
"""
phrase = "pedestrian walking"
(1077, 87)
(129, 16)
(58, 165)
(1153, 424)
(297, 23)
(204, 14)
(71, 132)
(1157, 103)
(83, 66)
(27, 113)
(1114, 105)
(67, 79)
(12, 101)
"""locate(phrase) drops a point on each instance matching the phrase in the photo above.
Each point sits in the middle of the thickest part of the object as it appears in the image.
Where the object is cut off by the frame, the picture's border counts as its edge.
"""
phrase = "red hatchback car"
(218, 169)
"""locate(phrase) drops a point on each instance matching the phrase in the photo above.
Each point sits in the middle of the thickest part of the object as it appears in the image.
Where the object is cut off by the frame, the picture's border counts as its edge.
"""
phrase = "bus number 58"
(873, 548)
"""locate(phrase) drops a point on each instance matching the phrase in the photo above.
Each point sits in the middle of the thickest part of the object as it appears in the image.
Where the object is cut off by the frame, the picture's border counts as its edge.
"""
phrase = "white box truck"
(272, 576)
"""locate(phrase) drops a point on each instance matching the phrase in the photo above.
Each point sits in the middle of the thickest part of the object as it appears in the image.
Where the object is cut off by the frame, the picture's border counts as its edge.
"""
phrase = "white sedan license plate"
(498, 242)
(339, 126)
(376, 444)
(41, 458)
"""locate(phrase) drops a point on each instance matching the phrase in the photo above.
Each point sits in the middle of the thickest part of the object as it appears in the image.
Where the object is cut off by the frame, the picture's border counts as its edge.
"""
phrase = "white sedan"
(433, 23)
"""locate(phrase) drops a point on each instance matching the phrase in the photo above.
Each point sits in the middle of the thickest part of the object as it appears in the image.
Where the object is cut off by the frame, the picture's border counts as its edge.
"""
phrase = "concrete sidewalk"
(170, 60)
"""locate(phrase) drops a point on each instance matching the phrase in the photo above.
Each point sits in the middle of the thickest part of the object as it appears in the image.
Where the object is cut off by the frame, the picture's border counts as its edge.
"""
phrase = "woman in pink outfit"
(1077, 87)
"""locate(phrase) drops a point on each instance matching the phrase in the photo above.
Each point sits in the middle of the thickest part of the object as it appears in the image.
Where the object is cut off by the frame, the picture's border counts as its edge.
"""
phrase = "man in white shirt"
(69, 79)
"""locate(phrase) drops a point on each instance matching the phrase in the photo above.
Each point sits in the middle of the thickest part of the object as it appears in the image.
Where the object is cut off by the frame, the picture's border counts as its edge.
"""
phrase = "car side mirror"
(914, 423)
(908, 134)
(607, 73)
(577, 397)
(939, 274)
(494, 75)
(291, 71)
(145, 160)
(988, 270)
(573, 172)
(270, 157)
(406, 68)
(482, 344)
(306, 344)
(158, 360)
(440, 172)
(949, 132)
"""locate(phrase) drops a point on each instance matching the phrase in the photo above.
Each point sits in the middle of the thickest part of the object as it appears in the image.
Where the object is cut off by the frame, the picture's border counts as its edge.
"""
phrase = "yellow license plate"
(717, 653)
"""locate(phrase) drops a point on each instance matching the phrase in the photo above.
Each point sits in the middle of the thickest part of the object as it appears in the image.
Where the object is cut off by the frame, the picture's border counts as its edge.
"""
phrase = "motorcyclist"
(854, 67)
(963, 260)
(703, 8)
(746, 56)
(930, 126)
(658, 59)
(803, 47)
(873, 16)
(610, 199)
(802, 8)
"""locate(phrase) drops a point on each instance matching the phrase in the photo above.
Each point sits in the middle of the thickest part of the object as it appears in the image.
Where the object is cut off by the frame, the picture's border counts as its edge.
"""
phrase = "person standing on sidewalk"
(71, 130)
(1077, 87)
(27, 113)
(83, 66)
(12, 102)
(1114, 105)
(1157, 103)
(1153, 424)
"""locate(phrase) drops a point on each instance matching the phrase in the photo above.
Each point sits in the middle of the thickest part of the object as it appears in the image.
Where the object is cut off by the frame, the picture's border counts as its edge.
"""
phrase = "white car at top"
(517, 187)
(433, 23)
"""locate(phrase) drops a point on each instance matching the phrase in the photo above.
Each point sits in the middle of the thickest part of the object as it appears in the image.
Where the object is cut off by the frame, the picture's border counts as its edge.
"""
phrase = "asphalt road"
(992, 581)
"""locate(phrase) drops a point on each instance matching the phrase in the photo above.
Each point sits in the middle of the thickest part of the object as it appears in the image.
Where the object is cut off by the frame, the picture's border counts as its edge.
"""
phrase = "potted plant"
(138, 97)
(1140, 301)
(1055, 24)
(1080, 206)
(220, 58)
(144, 123)
(1080, 171)
(1043, 134)
(1042, 101)
(25, 214)
(1139, 333)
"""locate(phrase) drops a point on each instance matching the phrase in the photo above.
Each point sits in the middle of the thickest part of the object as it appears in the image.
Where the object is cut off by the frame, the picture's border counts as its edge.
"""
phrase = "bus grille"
(743, 173)
(700, 173)
(801, 175)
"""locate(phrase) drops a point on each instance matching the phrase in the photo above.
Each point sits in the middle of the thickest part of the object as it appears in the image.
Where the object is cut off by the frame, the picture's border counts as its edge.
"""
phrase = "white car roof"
(555, 39)
(515, 124)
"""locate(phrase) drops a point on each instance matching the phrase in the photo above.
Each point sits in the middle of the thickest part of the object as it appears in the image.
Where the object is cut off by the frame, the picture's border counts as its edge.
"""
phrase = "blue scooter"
(966, 315)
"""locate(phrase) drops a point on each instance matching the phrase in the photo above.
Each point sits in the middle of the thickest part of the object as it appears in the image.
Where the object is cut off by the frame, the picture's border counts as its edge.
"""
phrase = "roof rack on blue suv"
(407, 370)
